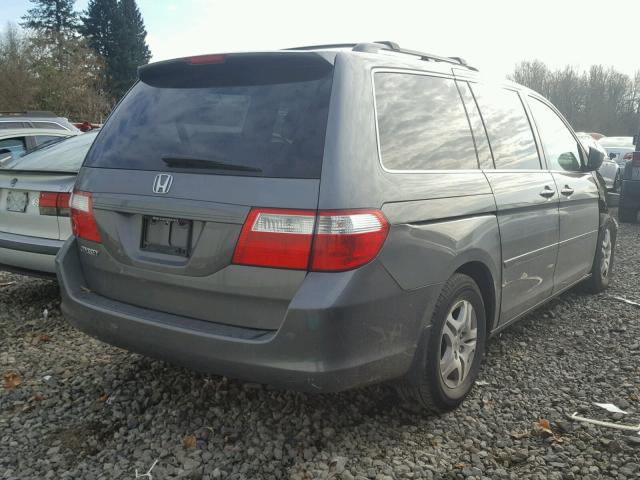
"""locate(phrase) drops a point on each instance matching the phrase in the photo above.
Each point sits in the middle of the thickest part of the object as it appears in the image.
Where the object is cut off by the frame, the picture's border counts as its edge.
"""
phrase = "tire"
(428, 388)
(603, 260)
(627, 215)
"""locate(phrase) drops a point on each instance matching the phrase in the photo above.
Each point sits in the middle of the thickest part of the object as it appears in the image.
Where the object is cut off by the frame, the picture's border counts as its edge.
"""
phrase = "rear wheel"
(444, 373)
(603, 261)
(627, 215)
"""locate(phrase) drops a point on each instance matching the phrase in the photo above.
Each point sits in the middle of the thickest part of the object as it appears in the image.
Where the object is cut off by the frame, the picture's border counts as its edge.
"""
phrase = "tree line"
(76, 64)
(598, 99)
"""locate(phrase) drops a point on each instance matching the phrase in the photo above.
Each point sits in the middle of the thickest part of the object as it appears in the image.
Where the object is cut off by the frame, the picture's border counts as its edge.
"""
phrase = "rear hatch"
(177, 167)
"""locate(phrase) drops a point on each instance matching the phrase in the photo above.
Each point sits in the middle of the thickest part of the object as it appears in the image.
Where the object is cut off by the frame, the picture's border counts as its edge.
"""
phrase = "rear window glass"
(422, 123)
(508, 128)
(238, 126)
(65, 155)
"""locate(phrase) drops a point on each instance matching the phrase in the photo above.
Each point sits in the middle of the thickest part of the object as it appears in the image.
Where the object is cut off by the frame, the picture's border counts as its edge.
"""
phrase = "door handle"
(567, 191)
(548, 192)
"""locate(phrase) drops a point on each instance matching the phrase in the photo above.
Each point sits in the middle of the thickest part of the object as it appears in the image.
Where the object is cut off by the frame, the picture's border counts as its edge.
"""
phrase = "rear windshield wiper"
(192, 162)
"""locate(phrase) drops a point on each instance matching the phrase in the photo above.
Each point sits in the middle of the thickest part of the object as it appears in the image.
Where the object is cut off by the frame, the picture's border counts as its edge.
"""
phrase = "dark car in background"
(620, 149)
(630, 193)
(325, 218)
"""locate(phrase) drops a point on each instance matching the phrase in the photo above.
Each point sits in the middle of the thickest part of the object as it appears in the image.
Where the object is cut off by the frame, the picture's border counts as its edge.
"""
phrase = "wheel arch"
(481, 274)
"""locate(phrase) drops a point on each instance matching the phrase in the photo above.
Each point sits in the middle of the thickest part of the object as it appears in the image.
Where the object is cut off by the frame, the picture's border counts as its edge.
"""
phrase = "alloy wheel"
(458, 344)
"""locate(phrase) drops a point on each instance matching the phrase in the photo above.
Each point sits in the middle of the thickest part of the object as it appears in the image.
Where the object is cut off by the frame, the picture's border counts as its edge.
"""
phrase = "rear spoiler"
(237, 69)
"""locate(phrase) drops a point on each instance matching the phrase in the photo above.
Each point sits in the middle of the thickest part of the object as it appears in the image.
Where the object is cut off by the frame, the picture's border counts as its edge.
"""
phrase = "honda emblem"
(162, 183)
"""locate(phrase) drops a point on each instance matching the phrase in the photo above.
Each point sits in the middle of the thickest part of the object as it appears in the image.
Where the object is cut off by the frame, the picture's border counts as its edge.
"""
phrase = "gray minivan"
(329, 217)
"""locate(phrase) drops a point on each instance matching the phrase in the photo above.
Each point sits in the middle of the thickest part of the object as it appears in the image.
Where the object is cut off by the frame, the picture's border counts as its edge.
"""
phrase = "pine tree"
(116, 31)
(52, 17)
(133, 50)
(98, 24)
(54, 23)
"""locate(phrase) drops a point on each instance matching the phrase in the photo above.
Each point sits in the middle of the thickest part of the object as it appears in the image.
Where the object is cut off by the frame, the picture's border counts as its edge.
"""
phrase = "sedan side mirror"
(594, 160)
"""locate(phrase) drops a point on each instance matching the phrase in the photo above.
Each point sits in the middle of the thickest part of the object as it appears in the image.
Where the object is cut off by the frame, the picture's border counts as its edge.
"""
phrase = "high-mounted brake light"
(54, 204)
(325, 241)
(206, 59)
(83, 221)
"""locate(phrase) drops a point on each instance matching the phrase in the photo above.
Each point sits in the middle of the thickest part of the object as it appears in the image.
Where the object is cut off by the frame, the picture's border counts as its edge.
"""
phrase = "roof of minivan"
(400, 59)
(382, 58)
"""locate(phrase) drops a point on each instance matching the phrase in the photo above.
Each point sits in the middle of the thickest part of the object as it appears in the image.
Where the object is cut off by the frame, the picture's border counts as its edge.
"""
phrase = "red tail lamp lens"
(325, 241)
(83, 221)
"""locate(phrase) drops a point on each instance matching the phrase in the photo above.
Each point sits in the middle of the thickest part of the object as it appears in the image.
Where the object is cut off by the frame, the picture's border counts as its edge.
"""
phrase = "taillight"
(83, 221)
(62, 204)
(276, 238)
(54, 204)
(347, 239)
(325, 241)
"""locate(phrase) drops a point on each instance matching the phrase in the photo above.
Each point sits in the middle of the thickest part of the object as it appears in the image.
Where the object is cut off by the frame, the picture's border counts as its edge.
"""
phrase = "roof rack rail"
(394, 47)
(325, 46)
(374, 47)
(28, 113)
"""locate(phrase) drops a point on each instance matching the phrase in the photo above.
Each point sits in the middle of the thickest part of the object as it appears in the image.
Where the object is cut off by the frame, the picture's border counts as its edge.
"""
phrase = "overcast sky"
(491, 34)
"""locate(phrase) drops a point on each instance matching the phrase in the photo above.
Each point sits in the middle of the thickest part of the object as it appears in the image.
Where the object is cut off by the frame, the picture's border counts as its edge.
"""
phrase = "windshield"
(236, 126)
(64, 156)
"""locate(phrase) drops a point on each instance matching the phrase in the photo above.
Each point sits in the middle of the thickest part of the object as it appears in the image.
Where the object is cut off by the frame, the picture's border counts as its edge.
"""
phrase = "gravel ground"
(88, 410)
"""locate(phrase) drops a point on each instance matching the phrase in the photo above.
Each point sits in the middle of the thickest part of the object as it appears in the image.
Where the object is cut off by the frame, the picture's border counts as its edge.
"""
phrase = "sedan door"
(579, 209)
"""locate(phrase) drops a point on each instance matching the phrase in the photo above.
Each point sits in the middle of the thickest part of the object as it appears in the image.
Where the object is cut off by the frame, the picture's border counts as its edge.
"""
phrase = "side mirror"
(594, 160)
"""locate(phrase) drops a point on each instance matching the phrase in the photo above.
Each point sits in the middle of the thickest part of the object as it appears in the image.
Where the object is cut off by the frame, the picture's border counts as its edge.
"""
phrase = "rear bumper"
(630, 194)
(341, 330)
(28, 255)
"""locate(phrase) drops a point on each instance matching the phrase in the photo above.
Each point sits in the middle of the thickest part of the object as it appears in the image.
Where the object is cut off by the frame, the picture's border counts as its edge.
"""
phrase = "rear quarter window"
(422, 124)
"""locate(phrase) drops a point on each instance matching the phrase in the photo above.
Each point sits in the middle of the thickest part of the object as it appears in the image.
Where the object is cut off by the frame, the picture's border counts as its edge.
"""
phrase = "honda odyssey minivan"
(330, 217)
